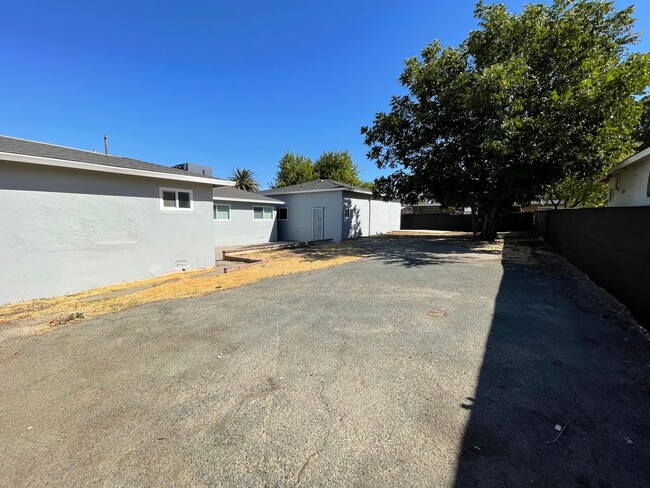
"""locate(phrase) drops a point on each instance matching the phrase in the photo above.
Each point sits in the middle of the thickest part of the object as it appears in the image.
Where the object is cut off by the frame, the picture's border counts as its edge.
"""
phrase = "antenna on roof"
(105, 143)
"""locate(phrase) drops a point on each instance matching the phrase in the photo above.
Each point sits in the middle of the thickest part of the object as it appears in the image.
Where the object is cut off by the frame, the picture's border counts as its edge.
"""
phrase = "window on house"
(611, 194)
(347, 213)
(283, 213)
(221, 212)
(647, 190)
(263, 213)
(171, 199)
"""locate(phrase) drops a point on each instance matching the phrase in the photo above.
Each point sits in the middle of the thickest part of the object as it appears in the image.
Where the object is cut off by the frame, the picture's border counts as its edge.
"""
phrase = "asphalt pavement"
(430, 363)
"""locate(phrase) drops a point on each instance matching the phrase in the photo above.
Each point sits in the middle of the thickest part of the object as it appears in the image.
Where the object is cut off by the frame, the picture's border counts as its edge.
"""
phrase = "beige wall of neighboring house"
(630, 186)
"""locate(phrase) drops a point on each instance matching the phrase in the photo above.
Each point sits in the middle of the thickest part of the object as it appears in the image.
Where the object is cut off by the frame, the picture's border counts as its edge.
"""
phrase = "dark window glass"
(647, 190)
(169, 199)
(184, 200)
(283, 213)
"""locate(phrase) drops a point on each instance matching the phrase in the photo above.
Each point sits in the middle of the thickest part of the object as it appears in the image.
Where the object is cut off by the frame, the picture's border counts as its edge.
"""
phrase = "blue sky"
(223, 83)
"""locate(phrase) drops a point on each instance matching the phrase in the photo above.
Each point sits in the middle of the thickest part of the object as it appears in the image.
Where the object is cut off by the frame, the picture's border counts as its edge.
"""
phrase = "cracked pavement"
(339, 377)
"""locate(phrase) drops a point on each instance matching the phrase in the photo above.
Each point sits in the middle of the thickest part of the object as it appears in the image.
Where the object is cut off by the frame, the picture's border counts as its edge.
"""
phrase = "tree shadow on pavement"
(409, 251)
(556, 354)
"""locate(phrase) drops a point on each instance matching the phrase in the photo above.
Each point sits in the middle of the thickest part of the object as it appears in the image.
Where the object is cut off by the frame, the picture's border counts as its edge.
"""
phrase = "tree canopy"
(293, 169)
(245, 180)
(296, 168)
(337, 165)
(642, 131)
(525, 102)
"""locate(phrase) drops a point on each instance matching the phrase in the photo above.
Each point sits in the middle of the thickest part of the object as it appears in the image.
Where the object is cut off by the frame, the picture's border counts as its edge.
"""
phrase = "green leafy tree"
(337, 165)
(574, 192)
(368, 185)
(245, 180)
(642, 131)
(526, 101)
(293, 169)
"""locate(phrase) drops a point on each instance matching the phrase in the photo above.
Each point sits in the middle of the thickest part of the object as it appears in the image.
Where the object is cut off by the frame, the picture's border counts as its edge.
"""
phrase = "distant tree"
(337, 165)
(525, 102)
(642, 131)
(293, 169)
(574, 192)
(245, 180)
(369, 185)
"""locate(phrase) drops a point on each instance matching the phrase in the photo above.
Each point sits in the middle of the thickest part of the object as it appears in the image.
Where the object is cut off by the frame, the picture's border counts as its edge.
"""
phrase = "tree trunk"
(488, 232)
(474, 227)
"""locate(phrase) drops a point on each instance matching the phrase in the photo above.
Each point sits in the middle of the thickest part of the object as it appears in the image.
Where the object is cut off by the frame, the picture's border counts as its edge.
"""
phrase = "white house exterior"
(243, 218)
(73, 220)
(629, 182)
(327, 209)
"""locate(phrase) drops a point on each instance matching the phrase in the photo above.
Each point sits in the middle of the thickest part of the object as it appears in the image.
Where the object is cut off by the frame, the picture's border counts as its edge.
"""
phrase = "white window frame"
(278, 214)
(176, 208)
(262, 207)
(214, 211)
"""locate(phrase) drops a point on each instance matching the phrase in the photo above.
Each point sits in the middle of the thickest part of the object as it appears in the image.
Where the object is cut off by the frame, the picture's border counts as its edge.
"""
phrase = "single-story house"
(73, 220)
(243, 218)
(629, 181)
(328, 209)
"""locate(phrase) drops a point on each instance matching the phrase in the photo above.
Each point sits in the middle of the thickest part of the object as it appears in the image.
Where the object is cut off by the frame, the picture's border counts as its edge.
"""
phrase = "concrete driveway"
(428, 364)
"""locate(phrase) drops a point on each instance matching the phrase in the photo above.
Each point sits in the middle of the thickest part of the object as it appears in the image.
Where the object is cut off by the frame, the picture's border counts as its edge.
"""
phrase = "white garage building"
(328, 209)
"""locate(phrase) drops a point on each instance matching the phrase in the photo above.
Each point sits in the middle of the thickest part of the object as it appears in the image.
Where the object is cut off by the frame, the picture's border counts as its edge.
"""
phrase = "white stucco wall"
(299, 225)
(242, 229)
(384, 216)
(67, 230)
(358, 225)
(630, 186)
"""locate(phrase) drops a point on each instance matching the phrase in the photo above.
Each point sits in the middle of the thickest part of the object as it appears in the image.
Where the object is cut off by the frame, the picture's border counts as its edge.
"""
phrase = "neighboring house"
(629, 182)
(243, 218)
(73, 220)
(327, 209)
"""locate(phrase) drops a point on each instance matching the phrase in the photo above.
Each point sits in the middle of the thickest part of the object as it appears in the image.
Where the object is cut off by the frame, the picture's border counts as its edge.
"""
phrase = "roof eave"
(291, 192)
(632, 160)
(248, 200)
(62, 163)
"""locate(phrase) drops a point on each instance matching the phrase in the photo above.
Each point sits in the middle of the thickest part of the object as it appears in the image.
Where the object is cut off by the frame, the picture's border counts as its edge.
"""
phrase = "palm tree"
(245, 180)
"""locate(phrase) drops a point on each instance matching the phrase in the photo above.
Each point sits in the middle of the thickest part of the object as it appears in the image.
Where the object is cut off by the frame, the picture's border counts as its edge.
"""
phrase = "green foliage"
(245, 180)
(642, 131)
(334, 165)
(525, 102)
(574, 192)
(337, 165)
(293, 169)
(368, 185)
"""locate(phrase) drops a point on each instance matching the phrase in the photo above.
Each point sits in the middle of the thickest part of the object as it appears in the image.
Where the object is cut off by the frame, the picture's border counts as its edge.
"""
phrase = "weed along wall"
(611, 245)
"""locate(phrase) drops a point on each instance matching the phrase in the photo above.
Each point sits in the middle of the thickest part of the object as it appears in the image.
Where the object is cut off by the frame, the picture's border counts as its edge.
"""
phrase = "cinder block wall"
(611, 245)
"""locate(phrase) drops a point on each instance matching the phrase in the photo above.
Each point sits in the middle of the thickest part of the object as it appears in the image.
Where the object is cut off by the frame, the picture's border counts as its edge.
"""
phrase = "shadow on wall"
(551, 358)
(351, 220)
(275, 231)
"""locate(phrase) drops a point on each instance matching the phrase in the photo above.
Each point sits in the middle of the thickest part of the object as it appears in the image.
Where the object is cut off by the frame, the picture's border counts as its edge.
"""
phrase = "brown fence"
(510, 221)
(611, 245)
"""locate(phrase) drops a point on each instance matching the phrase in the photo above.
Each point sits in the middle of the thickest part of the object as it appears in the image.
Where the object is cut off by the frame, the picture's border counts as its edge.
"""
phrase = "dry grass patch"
(47, 314)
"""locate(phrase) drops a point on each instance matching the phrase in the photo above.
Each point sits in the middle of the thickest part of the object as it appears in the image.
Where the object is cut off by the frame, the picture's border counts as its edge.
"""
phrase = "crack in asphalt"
(330, 412)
